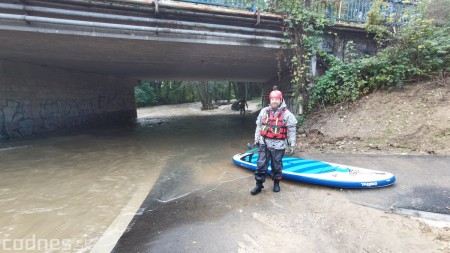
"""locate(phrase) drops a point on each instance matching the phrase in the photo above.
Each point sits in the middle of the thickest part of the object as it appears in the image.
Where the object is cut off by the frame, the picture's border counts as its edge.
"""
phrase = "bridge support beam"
(36, 99)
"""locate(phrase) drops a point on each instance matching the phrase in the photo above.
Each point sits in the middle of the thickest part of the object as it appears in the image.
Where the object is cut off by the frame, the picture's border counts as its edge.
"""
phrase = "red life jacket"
(272, 126)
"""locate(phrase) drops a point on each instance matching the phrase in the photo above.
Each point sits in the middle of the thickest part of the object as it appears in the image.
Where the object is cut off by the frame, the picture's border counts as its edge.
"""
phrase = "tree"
(145, 94)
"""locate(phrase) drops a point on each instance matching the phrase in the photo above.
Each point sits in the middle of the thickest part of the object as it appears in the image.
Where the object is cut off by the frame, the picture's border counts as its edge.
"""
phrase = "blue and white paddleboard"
(323, 173)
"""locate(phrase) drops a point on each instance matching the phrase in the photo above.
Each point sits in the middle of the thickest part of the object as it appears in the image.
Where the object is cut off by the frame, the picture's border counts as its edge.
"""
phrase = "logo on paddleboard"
(369, 184)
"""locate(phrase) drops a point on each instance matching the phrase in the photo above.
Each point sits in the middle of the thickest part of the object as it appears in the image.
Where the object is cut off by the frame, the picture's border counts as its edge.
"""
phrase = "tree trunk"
(203, 91)
(229, 91)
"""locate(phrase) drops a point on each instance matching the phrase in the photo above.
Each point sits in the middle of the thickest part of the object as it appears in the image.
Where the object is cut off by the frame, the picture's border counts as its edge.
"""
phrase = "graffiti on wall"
(70, 113)
(17, 121)
(13, 122)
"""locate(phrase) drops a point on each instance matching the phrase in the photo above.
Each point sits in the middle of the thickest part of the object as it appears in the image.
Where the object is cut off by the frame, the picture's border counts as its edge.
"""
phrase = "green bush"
(145, 95)
(419, 50)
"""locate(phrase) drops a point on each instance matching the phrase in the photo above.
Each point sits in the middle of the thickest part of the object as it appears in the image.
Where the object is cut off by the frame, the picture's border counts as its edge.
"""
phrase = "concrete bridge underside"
(74, 63)
(141, 59)
(132, 41)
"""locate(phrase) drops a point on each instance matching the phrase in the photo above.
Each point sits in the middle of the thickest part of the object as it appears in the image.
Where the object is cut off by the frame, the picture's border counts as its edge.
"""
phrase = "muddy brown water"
(76, 192)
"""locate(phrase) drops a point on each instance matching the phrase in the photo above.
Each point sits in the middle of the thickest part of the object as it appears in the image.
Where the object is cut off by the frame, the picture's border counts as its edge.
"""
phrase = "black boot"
(257, 189)
(276, 185)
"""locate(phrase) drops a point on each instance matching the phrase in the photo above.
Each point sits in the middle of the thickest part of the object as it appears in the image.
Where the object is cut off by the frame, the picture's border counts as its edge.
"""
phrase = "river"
(77, 191)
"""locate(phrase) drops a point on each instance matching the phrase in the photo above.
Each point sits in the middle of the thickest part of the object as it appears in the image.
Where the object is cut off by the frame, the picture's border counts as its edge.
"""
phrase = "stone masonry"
(36, 99)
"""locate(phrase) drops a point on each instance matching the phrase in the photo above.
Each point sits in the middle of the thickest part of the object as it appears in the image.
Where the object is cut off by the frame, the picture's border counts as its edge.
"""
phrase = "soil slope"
(412, 120)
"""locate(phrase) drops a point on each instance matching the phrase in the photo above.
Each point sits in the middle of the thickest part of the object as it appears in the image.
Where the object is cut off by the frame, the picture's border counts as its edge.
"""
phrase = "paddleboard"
(322, 173)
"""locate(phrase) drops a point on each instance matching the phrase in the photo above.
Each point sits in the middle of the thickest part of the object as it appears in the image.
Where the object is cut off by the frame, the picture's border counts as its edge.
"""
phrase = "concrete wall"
(364, 43)
(36, 99)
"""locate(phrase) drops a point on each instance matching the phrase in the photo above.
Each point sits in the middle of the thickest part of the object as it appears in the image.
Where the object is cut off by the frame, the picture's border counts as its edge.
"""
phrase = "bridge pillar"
(36, 99)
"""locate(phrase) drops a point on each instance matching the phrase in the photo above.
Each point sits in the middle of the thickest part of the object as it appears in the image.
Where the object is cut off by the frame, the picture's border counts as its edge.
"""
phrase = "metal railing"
(251, 5)
(237, 4)
(353, 11)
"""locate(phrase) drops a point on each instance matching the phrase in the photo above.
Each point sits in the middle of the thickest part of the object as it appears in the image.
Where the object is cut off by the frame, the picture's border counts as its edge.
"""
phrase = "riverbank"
(412, 120)
(191, 109)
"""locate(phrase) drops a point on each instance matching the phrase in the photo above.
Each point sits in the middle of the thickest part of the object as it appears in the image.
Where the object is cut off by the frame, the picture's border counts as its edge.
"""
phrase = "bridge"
(74, 63)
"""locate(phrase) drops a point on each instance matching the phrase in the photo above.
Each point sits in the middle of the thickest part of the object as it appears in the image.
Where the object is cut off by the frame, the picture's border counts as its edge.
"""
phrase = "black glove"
(291, 150)
(255, 145)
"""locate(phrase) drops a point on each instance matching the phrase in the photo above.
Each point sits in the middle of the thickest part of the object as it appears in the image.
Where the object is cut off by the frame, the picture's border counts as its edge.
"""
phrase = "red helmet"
(275, 94)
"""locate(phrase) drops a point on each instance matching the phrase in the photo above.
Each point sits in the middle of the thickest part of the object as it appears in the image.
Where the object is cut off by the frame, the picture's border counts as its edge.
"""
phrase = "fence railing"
(237, 4)
(353, 11)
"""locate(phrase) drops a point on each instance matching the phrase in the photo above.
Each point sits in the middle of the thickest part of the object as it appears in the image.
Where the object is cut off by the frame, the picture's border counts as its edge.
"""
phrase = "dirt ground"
(412, 120)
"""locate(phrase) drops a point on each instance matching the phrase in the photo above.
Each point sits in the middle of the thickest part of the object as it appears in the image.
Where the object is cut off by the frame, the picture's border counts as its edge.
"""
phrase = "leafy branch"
(304, 23)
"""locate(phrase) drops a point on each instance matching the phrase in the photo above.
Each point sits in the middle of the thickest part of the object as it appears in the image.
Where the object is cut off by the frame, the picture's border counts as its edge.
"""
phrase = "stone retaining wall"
(36, 99)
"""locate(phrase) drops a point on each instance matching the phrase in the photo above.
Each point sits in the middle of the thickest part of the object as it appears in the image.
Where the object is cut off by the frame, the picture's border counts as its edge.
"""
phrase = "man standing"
(242, 104)
(275, 130)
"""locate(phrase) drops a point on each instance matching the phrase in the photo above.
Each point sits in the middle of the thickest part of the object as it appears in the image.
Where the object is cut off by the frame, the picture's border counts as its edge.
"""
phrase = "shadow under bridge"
(142, 40)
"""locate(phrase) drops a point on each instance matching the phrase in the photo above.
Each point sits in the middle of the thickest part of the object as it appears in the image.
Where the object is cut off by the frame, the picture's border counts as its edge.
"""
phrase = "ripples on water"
(70, 187)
